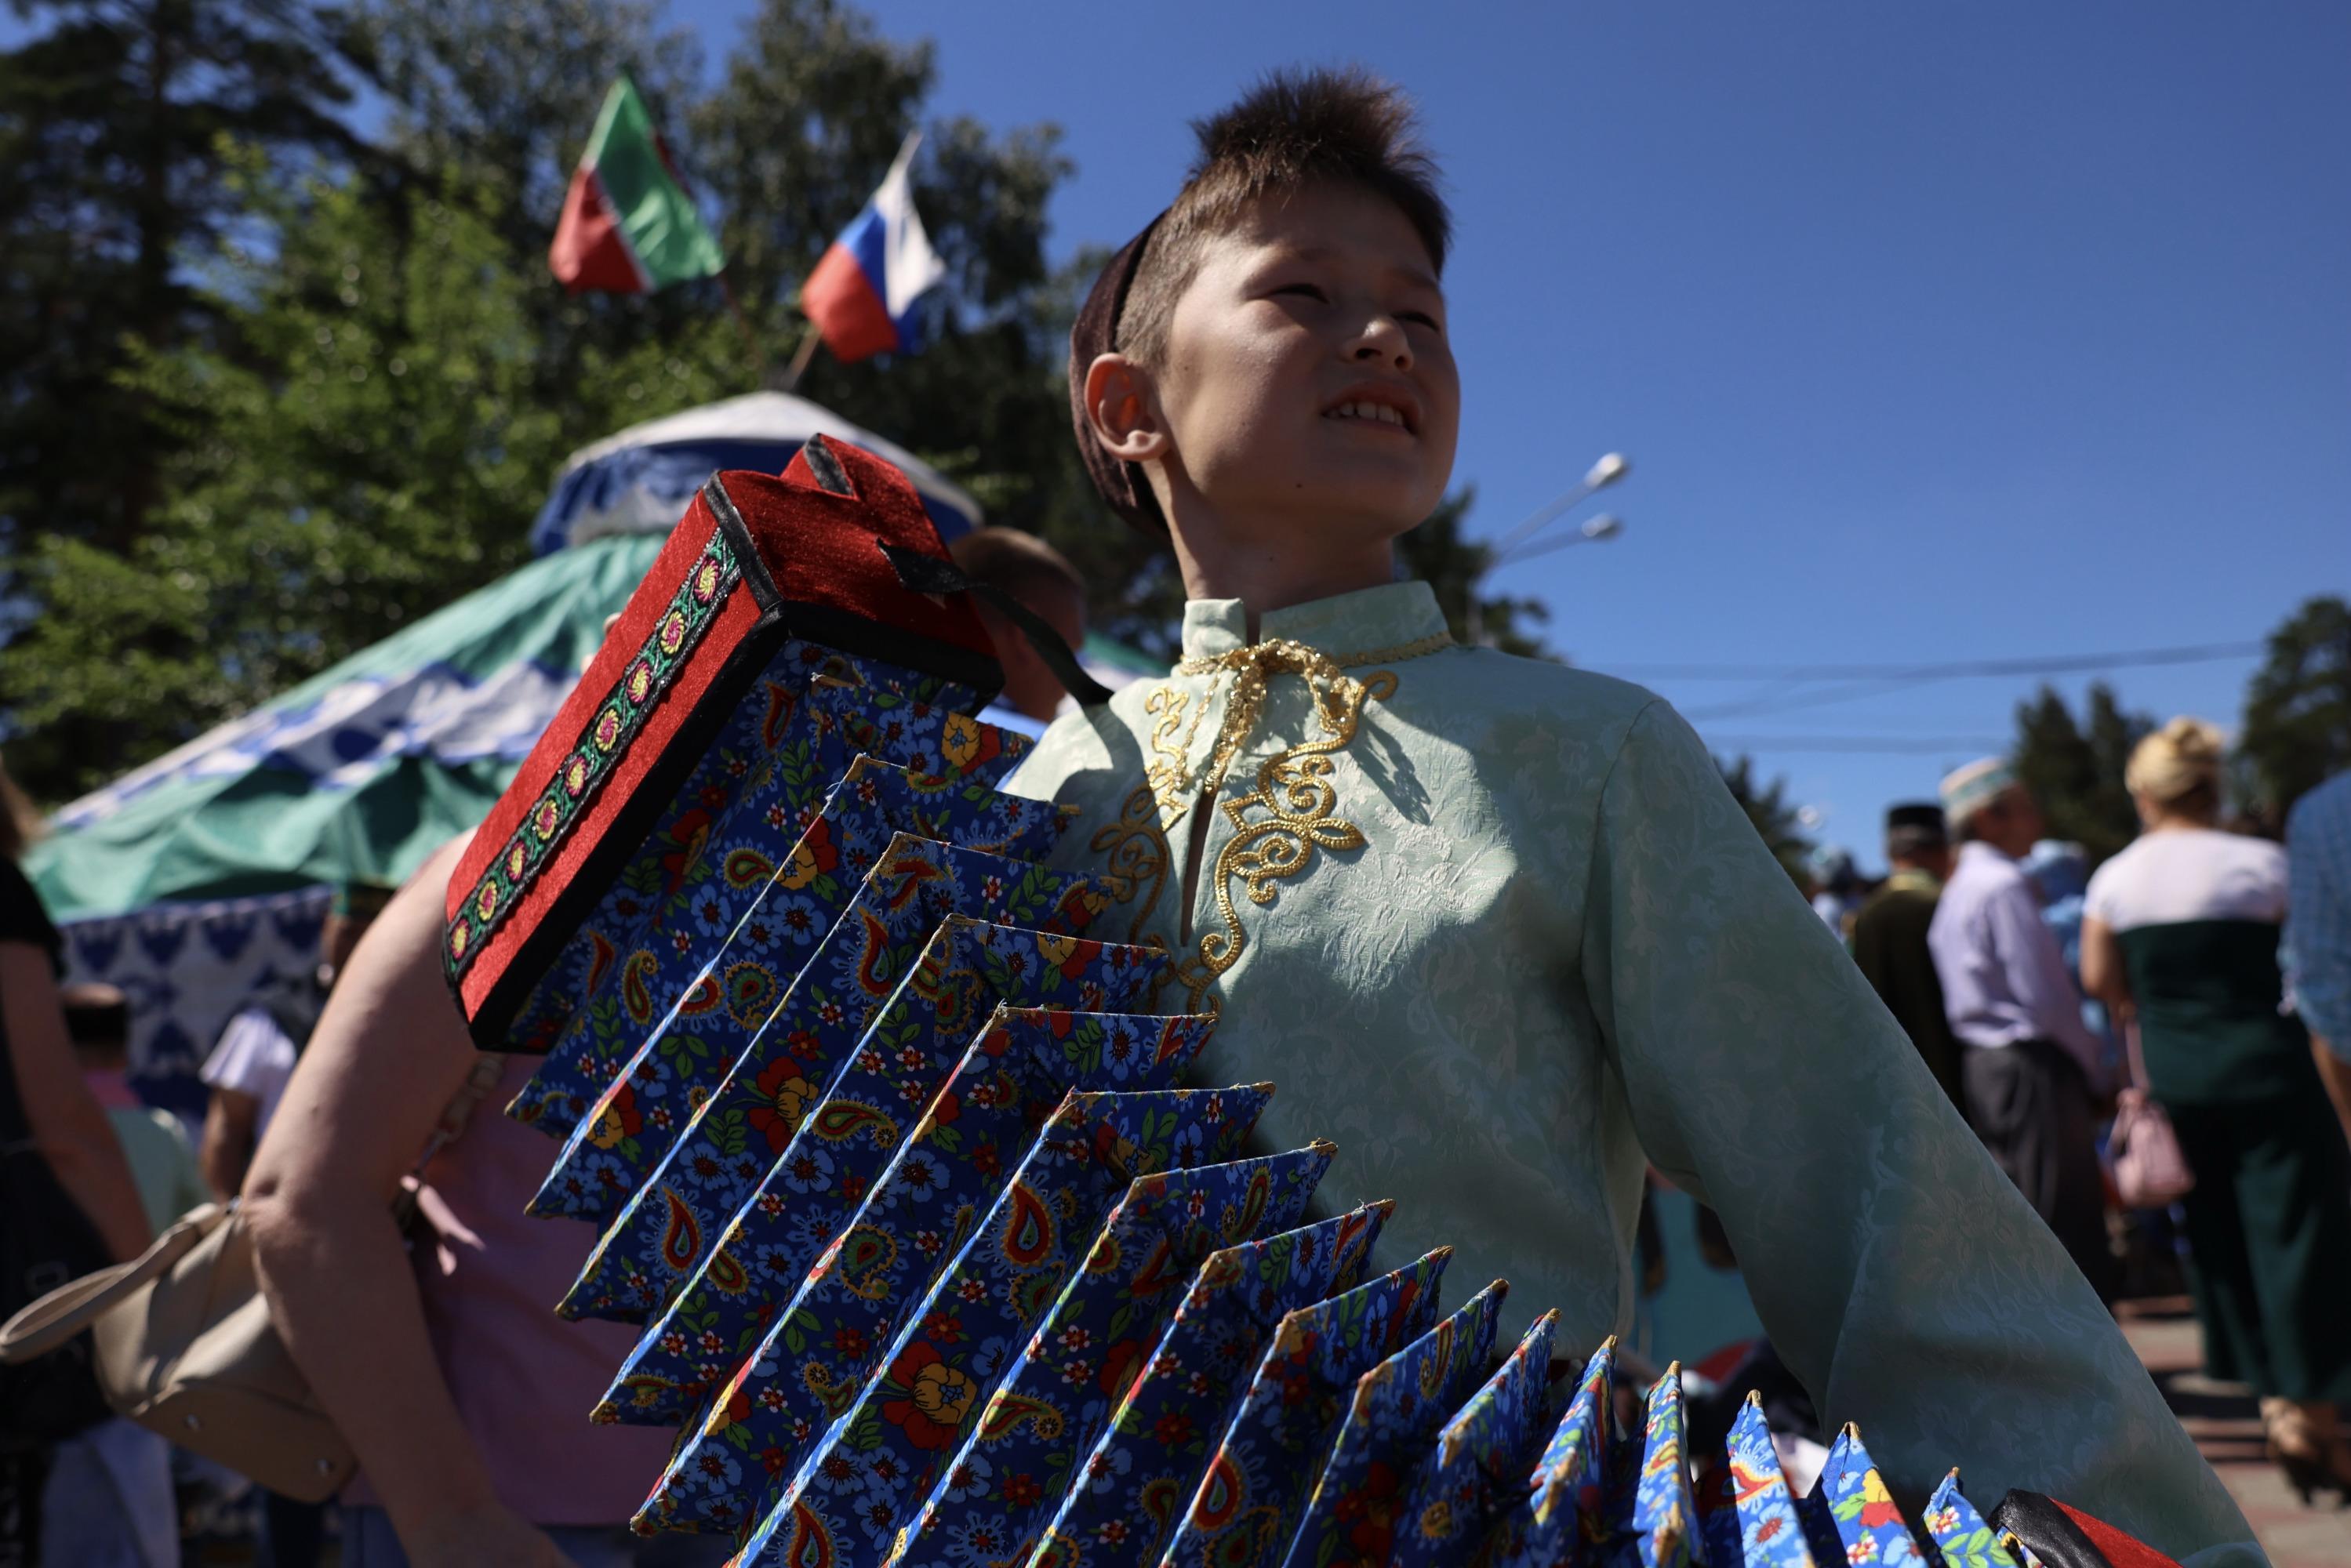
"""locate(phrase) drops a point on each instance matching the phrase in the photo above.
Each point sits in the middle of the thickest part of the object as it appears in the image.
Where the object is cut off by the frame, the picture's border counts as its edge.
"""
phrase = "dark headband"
(1094, 334)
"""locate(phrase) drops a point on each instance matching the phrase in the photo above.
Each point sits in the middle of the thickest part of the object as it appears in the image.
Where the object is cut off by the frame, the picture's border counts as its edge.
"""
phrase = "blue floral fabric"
(1867, 1523)
(871, 1467)
(760, 724)
(914, 884)
(1756, 1525)
(1249, 1502)
(908, 1264)
(1961, 1534)
(1034, 1440)
(1157, 1440)
(1665, 1506)
(979, 1126)
(1391, 1424)
(772, 1123)
(1558, 1515)
(760, 896)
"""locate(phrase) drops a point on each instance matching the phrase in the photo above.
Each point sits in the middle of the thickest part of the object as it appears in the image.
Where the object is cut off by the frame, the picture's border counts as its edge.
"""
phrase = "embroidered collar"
(1368, 621)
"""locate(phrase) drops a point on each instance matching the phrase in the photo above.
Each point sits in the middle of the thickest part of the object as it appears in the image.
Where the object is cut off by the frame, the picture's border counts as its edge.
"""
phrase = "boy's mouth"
(1376, 406)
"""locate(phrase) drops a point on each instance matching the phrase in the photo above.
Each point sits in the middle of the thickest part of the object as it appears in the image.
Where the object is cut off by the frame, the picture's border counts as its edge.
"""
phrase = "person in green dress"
(1496, 925)
(2180, 931)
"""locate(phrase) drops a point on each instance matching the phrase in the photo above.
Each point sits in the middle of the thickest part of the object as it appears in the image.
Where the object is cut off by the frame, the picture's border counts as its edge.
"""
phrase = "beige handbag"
(186, 1347)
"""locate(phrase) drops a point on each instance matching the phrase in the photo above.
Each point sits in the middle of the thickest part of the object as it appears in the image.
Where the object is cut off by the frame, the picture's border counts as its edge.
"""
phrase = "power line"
(1970, 745)
(2050, 664)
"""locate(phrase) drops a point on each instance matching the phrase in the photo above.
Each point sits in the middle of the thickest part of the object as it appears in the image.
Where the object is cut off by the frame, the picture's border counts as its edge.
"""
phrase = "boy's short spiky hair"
(1292, 129)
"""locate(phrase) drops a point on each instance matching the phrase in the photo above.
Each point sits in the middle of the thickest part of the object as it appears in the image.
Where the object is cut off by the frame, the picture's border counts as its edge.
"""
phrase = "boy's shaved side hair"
(1293, 129)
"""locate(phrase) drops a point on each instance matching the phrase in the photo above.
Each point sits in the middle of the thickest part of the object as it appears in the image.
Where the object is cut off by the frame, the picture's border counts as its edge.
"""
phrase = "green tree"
(2297, 725)
(1775, 817)
(1453, 566)
(366, 456)
(2075, 770)
(112, 204)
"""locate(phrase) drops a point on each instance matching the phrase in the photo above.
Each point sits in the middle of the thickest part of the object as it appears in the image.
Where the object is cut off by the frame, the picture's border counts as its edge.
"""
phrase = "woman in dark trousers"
(2181, 931)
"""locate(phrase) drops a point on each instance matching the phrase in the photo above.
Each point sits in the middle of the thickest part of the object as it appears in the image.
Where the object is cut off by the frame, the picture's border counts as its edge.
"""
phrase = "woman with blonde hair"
(2181, 936)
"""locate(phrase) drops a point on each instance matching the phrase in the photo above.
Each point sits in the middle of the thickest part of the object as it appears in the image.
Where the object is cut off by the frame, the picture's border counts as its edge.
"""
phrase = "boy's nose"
(1383, 338)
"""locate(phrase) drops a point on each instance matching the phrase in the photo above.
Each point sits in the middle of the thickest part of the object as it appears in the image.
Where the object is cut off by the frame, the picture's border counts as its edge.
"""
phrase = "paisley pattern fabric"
(1391, 1422)
(757, 890)
(981, 1123)
(1248, 1505)
(1963, 1536)
(738, 761)
(773, 1125)
(1479, 892)
(1157, 1442)
(897, 1268)
(1665, 1509)
(679, 1076)
(1755, 1525)
(863, 1479)
(1033, 1441)
(1477, 1469)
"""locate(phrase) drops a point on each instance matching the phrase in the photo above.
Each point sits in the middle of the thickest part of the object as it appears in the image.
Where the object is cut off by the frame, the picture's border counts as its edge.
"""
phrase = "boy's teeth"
(1378, 411)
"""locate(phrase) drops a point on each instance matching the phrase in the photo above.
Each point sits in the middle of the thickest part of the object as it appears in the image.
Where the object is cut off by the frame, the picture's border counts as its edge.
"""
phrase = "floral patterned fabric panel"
(1756, 1526)
(1479, 1465)
(993, 1498)
(1391, 1423)
(855, 967)
(882, 1283)
(981, 1122)
(1665, 1509)
(774, 1123)
(1959, 1533)
(1248, 1505)
(1157, 1440)
(729, 868)
(761, 724)
(1867, 1522)
(904, 1424)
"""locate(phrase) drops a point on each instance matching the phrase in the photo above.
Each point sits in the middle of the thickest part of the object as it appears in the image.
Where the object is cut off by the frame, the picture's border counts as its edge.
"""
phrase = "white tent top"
(639, 479)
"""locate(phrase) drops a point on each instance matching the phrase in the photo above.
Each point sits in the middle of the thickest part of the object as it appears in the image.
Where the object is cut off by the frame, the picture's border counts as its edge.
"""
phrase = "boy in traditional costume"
(1497, 926)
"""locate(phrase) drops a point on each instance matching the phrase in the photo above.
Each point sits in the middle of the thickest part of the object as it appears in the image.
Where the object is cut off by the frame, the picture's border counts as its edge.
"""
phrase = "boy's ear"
(1122, 406)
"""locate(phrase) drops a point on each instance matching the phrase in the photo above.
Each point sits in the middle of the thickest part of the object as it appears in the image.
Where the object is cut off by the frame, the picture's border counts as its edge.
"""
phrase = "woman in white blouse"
(2180, 934)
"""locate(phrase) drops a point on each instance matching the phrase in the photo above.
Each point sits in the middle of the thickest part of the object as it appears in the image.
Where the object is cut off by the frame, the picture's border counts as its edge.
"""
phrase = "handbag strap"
(45, 1324)
(489, 1066)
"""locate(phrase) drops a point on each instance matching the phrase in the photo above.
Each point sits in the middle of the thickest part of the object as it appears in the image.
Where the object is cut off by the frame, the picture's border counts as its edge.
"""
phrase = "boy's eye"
(1424, 318)
(1311, 291)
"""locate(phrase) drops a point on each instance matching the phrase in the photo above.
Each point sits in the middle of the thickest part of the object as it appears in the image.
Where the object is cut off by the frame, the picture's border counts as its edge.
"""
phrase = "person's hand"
(484, 1538)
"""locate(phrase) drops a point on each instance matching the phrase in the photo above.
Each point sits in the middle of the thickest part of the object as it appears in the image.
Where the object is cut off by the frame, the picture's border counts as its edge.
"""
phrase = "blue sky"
(1935, 331)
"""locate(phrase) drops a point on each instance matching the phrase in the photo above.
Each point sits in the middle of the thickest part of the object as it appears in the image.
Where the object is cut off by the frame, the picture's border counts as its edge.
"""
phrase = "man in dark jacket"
(1889, 937)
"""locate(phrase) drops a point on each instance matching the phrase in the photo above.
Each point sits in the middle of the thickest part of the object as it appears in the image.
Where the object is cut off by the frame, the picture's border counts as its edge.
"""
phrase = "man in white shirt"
(249, 1066)
(2028, 1066)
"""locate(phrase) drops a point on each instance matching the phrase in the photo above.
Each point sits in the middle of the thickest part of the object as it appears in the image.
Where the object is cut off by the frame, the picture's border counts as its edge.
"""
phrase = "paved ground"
(2227, 1427)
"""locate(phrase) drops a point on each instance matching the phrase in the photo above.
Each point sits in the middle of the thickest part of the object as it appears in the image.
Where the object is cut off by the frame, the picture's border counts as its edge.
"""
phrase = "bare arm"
(66, 1119)
(227, 1152)
(2336, 1073)
(387, 1056)
(2102, 964)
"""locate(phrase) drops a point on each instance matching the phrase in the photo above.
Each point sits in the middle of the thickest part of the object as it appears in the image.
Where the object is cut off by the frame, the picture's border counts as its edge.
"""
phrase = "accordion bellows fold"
(941, 1262)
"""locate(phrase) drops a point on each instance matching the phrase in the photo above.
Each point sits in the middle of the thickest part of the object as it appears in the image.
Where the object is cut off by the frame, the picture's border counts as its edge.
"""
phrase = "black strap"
(928, 574)
(2053, 1535)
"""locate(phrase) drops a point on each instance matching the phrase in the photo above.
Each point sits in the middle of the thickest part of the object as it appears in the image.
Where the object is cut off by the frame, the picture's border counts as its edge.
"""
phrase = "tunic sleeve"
(1899, 1273)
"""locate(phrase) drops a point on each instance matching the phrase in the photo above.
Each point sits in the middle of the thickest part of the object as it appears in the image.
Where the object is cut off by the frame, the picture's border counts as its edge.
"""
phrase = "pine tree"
(2297, 725)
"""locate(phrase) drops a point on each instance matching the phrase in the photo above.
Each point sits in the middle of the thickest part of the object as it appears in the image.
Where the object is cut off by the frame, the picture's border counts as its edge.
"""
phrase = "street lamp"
(1606, 526)
(1611, 467)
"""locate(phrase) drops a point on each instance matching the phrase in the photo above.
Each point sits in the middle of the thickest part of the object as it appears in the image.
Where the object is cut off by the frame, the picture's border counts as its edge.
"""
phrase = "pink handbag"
(2143, 1153)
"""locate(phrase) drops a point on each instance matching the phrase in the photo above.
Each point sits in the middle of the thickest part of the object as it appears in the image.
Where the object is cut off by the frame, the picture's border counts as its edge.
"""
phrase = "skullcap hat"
(1915, 814)
(1967, 791)
(1092, 335)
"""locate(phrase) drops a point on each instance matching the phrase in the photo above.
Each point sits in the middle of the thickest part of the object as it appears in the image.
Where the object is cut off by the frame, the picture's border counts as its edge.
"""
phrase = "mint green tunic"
(1497, 928)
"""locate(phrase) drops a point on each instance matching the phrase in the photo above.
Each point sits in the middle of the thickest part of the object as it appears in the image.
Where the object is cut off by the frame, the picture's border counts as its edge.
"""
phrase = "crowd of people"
(2201, 970)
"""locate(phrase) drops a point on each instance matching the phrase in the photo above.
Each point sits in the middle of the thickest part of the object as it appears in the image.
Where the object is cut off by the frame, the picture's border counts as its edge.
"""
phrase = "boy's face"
(1307, 380)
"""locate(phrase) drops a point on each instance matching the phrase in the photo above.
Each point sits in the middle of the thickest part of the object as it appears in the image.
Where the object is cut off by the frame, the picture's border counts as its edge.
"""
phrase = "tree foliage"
(2297, 723)
(2075, 769)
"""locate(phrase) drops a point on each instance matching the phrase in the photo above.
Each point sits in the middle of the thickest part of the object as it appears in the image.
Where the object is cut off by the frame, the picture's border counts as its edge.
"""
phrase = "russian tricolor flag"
(862, 293)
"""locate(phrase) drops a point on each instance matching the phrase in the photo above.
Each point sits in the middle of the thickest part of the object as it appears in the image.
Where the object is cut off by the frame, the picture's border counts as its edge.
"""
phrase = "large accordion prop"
(938, 1261)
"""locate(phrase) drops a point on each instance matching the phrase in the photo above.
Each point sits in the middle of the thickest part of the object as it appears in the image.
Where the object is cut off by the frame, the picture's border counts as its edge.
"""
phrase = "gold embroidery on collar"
(1294, 804)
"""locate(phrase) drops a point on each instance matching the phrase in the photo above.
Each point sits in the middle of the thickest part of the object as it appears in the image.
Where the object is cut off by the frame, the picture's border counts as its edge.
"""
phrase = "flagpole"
(802, 356)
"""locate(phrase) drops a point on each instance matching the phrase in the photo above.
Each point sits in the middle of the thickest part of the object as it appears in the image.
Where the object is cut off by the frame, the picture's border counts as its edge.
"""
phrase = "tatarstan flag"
(629, 226)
